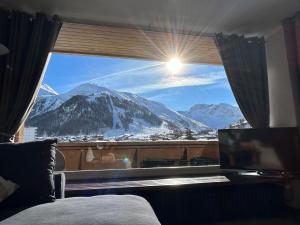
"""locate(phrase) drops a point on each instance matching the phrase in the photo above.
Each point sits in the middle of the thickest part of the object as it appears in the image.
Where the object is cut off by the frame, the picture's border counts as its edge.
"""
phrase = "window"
(119, 113)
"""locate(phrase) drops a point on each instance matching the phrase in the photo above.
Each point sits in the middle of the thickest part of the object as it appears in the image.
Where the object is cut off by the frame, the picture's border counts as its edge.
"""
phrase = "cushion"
(31, 166)
(7, 188)
(96, 210)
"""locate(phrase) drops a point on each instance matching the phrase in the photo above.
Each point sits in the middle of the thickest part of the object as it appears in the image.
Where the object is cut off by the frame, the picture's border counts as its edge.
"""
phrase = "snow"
(116, 112)
(113, 133)
(46, 90)
(216, 116)
(139, 129)
(167, 114)
(92, 91)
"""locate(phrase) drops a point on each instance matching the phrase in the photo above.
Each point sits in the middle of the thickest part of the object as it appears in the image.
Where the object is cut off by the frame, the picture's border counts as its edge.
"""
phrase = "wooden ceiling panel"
(136, 43)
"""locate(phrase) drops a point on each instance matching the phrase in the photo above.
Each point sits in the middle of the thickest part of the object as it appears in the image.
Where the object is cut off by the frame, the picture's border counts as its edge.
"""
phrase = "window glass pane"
(123, 113)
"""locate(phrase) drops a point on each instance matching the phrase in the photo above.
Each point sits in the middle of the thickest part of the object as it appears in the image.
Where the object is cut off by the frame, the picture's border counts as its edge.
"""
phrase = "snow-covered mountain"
(216, 116)
(240, 124)
(46, 90)
(90, 109)
(166, 114)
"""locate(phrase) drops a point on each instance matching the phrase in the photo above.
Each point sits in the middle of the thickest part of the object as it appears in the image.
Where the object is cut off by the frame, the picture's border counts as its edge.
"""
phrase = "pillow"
(31, 166)
(7, 188)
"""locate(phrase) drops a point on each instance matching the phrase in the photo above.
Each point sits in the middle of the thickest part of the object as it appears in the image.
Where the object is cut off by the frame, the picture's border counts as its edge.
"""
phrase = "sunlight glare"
(174, 65)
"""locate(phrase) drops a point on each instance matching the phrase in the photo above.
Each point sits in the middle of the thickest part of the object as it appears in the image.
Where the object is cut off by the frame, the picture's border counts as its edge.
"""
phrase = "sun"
(174, 65)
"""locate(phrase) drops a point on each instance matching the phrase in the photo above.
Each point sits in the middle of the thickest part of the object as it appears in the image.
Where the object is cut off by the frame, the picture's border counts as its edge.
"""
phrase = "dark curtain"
(244, 60)
(29, 40)
(291, 27)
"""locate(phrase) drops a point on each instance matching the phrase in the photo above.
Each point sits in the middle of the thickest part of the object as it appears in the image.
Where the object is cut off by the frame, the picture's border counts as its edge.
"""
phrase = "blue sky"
(194, 83)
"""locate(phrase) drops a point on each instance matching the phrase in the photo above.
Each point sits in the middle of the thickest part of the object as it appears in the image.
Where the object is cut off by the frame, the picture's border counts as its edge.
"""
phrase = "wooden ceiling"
(136, 43)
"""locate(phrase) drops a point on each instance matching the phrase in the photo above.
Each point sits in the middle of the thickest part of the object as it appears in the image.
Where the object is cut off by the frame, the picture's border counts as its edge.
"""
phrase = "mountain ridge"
(46, 90)
(118, 113)
(92, 109)
(216, 116)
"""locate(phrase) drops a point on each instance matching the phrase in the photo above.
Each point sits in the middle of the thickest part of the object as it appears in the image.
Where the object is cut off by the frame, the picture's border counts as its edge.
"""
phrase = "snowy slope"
(46, 90)
(92, 91)
(215, 116)
(167, 114)
(90, 115)
(45, 103)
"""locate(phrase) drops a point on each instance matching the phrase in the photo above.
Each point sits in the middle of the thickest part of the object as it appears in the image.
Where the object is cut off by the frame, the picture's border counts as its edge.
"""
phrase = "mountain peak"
(87, 85)
(120, 111)
(45, 90)
(88, 89)
(207, 106)
(216, 116)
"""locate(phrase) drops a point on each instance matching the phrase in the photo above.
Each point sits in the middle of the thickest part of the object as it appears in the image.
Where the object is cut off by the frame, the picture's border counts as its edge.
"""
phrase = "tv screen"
(270, 149)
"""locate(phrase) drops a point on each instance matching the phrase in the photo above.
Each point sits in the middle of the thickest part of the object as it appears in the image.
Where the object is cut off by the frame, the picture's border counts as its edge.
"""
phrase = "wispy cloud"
(177, 81)
(113, 76)
(146, 76)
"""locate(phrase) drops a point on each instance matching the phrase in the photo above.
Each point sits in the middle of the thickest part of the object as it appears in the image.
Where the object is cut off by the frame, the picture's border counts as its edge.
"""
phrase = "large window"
(88, 99)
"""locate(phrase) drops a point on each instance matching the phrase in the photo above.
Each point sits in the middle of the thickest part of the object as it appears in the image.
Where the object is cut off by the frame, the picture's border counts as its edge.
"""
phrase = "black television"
(267, 149)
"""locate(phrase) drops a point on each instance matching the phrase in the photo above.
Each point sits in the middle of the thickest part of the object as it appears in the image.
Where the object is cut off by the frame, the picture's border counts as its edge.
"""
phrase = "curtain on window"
(291, 27)
(29, 40)
(244, 60)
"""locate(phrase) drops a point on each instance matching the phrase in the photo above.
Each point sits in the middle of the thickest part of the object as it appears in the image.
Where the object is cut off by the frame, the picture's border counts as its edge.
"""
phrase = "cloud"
(114, 76)
(143, 77)
(177, 81)
(169, 95)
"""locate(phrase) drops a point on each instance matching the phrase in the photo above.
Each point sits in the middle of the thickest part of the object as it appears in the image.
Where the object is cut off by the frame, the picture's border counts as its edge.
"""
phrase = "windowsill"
(136, 180)
(146, 184)
(141, 172)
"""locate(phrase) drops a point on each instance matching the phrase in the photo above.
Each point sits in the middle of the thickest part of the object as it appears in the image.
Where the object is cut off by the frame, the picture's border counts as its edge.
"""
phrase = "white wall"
(282, 104)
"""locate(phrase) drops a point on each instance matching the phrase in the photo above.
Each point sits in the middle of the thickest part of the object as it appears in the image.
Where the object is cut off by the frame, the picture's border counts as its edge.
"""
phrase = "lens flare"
(174, 65)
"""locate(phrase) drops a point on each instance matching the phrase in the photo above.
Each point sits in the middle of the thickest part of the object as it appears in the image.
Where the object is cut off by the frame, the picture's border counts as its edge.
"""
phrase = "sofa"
(39, 198)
